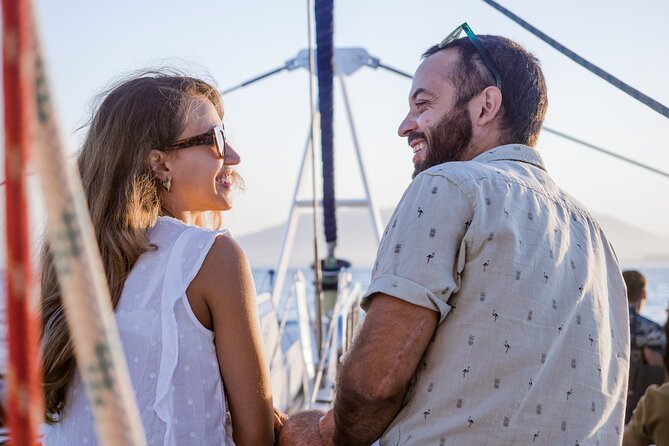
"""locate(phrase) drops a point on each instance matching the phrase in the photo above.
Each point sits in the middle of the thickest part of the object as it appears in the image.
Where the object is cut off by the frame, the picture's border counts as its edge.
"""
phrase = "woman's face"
(201, 180)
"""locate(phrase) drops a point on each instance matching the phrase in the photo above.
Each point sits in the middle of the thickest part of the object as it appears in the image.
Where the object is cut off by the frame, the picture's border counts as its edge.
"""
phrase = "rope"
(324, 58)
(85, 294)
(24, 395)
(636, 94)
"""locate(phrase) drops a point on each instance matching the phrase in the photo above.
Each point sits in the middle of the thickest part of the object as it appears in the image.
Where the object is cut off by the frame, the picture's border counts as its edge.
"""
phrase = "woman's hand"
(326, 427)
(280, 419)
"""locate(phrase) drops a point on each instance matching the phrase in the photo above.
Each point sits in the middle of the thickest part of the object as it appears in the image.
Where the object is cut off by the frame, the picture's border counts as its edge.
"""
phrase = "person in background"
(496, 312)
(157, 171)
(647, 337)
(648, 343)
(650, 419)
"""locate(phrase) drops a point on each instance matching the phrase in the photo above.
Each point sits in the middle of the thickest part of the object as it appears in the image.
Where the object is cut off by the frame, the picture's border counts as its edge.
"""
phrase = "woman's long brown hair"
(139, 114)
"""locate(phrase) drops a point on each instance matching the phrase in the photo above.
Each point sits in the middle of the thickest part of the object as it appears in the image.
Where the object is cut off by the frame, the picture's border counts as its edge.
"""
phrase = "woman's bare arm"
(225, 284)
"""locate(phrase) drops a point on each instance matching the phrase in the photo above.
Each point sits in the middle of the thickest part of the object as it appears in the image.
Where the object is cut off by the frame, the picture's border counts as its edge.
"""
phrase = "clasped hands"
(309, 428)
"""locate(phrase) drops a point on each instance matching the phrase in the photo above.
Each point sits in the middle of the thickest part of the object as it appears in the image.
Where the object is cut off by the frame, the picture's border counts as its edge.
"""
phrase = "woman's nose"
(231, 158)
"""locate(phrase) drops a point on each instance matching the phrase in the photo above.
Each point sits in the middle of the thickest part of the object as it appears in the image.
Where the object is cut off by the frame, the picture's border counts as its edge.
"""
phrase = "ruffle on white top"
(171, 356)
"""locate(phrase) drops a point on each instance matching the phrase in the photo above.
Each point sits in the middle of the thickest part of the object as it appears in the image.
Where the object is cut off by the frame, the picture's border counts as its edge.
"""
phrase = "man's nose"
(407, 126)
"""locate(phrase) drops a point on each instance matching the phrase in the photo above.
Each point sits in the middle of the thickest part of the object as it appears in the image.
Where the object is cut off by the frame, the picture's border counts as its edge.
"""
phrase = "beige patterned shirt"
(532, 347)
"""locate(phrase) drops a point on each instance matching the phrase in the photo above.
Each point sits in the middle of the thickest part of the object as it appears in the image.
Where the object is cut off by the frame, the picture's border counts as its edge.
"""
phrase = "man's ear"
(487, 105)
(158, 164)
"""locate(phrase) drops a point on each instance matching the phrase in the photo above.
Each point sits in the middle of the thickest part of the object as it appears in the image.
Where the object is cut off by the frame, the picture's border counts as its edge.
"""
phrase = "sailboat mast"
(318, 277)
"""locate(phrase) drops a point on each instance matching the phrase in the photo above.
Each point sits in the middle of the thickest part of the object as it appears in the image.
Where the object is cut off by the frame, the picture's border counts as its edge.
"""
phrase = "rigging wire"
(558, 133)
(255, 79)
(607, 152)
(636, 94)
(394, 70)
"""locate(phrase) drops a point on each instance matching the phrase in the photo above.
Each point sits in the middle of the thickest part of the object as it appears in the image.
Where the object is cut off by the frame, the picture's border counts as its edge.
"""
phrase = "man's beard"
(447, 140)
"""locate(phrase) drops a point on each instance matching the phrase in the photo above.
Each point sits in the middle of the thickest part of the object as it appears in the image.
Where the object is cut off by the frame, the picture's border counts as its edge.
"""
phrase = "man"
(647, 343)
(496, 312)
(647, 337)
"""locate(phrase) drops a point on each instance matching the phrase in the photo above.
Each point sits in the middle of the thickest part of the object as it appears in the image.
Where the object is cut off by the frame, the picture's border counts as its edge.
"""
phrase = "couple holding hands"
(496, 307)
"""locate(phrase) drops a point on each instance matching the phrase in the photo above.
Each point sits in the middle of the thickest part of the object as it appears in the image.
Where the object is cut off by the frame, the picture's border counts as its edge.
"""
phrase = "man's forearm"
(375, 374)
(360, 420)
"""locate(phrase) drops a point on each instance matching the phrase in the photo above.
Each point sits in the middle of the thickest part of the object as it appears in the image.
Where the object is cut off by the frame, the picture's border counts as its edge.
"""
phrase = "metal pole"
(289, 233)
(317, 260)
(373, 210)
(24, 394)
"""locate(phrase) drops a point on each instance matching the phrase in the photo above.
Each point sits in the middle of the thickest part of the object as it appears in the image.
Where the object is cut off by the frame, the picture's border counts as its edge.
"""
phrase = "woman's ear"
(158, 164)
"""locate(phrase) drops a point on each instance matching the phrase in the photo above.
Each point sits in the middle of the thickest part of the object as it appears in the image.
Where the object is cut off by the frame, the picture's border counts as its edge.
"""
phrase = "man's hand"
(301, 429)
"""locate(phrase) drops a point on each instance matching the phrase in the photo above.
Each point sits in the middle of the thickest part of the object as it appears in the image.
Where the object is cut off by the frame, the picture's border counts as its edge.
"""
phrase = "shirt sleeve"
(649, 422)
(651, 335)
(422, 252)
(655, 338)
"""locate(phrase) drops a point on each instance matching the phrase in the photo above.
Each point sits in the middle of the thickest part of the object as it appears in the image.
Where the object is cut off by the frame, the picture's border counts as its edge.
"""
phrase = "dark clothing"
(645, 333)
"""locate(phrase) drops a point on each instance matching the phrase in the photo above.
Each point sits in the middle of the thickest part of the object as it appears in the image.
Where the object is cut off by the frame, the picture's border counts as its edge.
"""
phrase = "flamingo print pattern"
(518, 256)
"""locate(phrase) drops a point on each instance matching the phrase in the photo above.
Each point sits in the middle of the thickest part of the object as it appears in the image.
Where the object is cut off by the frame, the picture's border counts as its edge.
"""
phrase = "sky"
(89, 45)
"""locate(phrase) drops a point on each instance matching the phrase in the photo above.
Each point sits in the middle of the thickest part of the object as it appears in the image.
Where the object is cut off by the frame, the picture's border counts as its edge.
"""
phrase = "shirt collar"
(512, 152)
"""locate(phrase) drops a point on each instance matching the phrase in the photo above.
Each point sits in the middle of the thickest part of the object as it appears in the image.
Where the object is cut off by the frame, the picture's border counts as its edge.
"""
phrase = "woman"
(156, 167)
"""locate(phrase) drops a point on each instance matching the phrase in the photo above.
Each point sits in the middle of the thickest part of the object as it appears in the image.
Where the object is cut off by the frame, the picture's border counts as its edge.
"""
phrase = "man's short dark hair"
(636, 284)
(524, 96)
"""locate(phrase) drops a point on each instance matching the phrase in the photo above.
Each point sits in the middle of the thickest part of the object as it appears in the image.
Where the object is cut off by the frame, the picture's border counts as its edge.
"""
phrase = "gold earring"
(167, 184)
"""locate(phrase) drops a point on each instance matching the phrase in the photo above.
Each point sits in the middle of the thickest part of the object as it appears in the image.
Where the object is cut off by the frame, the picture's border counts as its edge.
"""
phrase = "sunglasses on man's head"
(485, 55)
(215, 136)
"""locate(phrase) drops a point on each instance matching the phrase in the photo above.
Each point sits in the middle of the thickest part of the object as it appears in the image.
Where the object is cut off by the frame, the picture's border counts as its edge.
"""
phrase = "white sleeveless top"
(170, 354)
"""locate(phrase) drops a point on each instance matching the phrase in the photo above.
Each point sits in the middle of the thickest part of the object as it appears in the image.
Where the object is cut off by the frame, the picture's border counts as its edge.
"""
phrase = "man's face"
(437, 130)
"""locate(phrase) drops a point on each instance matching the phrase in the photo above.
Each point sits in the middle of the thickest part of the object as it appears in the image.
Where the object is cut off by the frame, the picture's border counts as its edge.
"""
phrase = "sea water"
(657, 277)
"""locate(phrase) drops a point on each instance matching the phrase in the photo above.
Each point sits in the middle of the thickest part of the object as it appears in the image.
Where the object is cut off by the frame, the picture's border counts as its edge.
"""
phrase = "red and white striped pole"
(24, 405)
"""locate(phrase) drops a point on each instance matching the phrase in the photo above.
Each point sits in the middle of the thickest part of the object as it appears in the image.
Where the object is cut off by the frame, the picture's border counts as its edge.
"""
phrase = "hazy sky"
(90, 44)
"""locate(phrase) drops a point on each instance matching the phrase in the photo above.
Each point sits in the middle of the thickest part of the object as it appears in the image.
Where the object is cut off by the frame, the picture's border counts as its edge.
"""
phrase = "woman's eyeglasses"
(215, 136)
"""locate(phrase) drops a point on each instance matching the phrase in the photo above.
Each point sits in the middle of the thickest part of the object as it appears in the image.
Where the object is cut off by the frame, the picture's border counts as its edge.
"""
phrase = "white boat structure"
(303, 360)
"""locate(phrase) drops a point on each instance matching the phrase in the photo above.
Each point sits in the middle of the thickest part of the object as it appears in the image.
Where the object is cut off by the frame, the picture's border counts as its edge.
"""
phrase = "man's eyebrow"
(419, 91)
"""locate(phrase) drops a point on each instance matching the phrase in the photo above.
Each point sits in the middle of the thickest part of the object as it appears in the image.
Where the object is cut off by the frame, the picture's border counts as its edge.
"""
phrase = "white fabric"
(532, 346)
(170, 354)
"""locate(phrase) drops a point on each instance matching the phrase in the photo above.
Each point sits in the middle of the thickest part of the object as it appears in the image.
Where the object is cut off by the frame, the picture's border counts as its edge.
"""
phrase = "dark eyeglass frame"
(215, 136)
(485, 55)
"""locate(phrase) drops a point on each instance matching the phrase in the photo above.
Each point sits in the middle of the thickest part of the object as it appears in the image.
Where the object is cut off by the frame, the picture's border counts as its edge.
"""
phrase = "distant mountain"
(634, 245)
(354, 233)
(356, 241)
